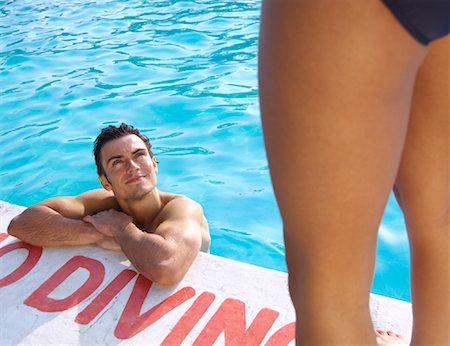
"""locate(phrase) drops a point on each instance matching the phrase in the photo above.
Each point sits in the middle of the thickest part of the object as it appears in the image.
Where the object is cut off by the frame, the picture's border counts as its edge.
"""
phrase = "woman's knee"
(425, 217)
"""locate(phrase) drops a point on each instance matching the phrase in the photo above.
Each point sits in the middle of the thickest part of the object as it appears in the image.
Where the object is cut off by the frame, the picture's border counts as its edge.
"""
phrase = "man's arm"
(58, 221)
(165, 255)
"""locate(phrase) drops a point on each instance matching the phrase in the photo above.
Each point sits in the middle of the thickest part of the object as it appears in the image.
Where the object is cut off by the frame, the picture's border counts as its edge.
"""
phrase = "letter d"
(40, 300)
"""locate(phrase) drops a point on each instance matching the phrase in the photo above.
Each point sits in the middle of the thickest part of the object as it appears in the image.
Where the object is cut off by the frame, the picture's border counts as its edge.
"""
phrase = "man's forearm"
(149, 254)
(42, 226)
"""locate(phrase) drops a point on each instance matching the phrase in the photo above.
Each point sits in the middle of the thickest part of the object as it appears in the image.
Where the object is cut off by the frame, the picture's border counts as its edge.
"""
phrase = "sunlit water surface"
(185, 72)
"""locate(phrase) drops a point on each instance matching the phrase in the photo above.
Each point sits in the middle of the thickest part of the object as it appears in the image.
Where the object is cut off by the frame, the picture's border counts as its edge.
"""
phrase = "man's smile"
(134, 179)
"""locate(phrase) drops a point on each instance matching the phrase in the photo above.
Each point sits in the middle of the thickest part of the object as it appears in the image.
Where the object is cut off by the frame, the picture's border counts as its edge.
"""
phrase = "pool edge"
(237, 286)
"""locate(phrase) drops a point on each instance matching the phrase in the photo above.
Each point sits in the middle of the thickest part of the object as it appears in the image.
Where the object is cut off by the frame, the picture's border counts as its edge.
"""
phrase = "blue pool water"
(182, 71)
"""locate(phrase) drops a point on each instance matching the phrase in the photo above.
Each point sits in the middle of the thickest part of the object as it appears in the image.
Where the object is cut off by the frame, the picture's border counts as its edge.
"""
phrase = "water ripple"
(164, 151)
(29, 126)
(41, 133)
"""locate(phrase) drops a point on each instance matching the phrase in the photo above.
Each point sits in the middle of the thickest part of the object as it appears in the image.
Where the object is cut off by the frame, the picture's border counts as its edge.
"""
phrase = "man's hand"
(109, 222)
(109, 243)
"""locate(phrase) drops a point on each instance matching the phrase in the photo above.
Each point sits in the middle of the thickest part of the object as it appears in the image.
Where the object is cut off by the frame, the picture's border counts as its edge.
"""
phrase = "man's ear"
(105, 183)
(155, 164)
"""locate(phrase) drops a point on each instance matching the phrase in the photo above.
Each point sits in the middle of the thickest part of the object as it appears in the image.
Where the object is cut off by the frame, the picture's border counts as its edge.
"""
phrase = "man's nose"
(132, 165)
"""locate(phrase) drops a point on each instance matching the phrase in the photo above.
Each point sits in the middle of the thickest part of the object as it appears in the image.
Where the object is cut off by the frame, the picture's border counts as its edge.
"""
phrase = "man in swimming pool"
(160, 233)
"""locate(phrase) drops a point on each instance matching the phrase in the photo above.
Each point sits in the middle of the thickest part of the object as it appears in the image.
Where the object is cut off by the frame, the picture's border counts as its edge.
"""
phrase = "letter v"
(132, 322)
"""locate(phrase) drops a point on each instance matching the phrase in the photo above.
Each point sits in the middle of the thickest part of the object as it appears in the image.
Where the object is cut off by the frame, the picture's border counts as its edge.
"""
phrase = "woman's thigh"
(336, 81)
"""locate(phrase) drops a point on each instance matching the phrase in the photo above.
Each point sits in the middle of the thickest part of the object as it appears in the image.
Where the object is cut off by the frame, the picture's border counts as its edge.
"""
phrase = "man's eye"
(115, 163)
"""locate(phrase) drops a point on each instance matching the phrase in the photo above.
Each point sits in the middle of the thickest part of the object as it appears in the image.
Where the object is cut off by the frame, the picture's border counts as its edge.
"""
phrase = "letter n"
(40, 299)
(132, 321)
(189, 319)
(230, 319)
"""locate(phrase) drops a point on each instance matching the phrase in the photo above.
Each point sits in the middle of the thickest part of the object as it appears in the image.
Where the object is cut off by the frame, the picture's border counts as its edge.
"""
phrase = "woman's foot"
(385, 338)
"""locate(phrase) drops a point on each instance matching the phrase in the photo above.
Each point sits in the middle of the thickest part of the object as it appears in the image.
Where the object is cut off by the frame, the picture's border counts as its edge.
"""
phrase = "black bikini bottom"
(426, 20)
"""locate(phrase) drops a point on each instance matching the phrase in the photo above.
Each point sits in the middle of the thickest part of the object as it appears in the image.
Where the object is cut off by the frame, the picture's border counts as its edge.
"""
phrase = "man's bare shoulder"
(97, 200)
(179, 206)
(185, 211)
(97, 194)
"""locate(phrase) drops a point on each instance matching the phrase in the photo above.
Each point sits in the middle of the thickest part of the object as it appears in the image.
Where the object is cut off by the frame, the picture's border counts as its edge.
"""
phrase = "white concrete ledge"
(86, 295)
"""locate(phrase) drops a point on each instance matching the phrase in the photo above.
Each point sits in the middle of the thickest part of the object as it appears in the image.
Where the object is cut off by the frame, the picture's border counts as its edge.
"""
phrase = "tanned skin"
(353, 106)
(160, 233)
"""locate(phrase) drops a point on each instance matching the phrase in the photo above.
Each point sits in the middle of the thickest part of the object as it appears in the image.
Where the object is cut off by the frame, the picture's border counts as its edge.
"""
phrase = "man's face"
(130, 170)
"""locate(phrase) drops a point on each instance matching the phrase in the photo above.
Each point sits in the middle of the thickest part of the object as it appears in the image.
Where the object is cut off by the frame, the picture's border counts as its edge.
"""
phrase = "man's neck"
(143, 211)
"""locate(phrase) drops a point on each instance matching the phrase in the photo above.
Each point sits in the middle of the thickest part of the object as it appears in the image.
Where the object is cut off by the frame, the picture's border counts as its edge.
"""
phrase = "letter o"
(34, 254)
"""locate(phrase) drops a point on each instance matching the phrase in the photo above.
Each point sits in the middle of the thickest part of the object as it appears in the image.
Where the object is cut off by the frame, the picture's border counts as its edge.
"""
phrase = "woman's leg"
(336, 81)
(422, 189)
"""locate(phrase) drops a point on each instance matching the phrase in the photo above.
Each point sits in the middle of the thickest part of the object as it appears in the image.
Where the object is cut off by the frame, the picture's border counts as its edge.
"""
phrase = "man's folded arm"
(166, 255)
(164, 259)
(56, 222)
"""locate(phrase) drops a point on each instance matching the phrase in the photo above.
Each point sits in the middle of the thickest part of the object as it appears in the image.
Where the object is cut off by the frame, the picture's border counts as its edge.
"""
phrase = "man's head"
(112, 132)
(125, 162)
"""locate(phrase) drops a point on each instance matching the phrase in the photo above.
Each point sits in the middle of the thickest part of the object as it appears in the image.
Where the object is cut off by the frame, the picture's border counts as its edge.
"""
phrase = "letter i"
(105, 297)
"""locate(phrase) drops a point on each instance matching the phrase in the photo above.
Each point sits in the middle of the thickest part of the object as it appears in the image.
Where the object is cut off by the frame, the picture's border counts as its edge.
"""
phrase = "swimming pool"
(182, 71)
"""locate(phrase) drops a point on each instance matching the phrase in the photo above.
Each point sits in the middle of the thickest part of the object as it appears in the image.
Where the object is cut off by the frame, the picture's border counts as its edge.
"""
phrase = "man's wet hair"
(112, 132)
